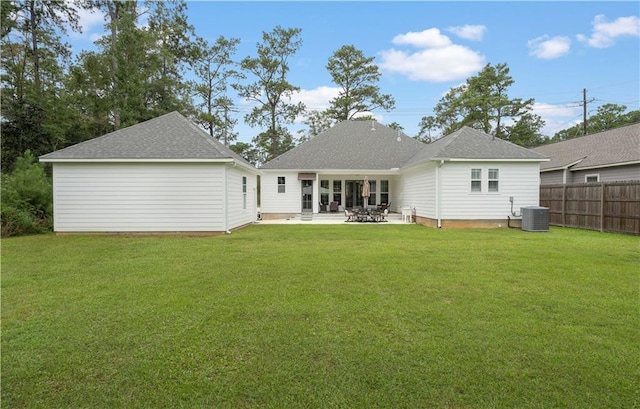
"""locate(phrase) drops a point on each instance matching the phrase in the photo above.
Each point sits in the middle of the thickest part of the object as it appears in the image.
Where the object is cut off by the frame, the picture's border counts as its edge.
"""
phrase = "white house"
(162, 175)
(467, 178)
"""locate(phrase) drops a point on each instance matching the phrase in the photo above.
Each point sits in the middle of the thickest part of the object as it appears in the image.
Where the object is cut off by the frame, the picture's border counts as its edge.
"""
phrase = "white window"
(592, 178)
(476, 180)
(372, 190)
(493, 180)
(244, 192)
(281, 184)
(337, 191)
(384, 191)
(324, 192)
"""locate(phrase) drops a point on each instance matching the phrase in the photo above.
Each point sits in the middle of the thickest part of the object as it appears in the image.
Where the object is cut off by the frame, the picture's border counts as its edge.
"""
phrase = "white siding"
(101, 197)
(417, 190)
(520, 180)
(273, 202)
(237, 213)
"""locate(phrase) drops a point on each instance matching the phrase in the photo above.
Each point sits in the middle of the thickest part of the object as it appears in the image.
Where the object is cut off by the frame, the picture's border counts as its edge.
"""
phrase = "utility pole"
(584, 111)
(226, 124)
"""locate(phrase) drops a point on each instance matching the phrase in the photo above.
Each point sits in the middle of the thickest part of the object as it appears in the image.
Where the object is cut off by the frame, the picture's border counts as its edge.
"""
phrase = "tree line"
(52, 99)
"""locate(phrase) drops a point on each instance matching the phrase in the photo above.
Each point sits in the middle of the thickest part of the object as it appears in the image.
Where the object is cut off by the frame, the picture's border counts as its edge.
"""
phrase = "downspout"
(438, 217)
(225, 203)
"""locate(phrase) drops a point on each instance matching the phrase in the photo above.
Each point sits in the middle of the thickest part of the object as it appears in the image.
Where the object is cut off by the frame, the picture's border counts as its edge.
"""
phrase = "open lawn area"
(322, 316)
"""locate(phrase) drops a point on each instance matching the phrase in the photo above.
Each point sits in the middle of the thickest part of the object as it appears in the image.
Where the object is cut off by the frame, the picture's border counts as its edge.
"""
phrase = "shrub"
(27, 198)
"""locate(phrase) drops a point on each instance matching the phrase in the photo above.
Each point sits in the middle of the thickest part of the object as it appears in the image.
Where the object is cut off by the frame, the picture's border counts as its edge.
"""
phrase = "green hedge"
(27, 198)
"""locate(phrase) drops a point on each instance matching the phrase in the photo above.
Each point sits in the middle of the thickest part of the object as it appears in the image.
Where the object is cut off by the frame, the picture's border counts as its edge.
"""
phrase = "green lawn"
(324, 316)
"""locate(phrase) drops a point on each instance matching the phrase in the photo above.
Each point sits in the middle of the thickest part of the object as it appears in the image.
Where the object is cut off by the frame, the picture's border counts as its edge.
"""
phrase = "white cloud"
(89, 20)
(604, 32)
(437, 60)
(430, 38)
(557, 117)
(436, 65)
(469, 32)
(548, 48)
(556, 111)
(316, 99)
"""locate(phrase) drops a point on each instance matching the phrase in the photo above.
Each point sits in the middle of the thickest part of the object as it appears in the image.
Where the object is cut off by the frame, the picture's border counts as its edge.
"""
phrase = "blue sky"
(554, 49)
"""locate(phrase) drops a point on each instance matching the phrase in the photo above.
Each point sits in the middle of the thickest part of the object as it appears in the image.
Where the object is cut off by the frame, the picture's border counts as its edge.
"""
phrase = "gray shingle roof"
(350, 145)
(615, 146)
(354, 145)
(170, 136)
(469, 143)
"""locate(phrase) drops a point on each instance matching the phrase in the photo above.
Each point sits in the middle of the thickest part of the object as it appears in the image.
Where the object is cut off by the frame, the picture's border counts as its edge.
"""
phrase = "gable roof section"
(608, 148)
(350, 145)
(471, 144)
(170, 137)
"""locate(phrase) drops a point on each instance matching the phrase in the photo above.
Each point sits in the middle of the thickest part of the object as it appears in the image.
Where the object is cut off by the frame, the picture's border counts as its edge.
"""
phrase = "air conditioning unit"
(535, 218)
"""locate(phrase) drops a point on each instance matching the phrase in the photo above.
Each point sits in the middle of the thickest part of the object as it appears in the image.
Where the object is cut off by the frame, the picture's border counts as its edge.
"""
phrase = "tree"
(27, 198)
(608, 116)
(212, 67)
(357, 77)
(249, 152)
(271, 90)
(8, 10)
(427, 124)
(137, 73)
(482, 103)
(526, 131)
(33, 58)
(317, 122)
(171, 52)
(396, 126)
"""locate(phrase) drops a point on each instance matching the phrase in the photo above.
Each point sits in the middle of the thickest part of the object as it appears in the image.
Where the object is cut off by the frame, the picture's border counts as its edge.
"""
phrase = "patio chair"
(349, 215)
(333, 206)
(406, 214)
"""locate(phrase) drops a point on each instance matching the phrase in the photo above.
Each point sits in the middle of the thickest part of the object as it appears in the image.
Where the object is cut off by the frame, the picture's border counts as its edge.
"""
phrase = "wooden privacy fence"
(610, 206)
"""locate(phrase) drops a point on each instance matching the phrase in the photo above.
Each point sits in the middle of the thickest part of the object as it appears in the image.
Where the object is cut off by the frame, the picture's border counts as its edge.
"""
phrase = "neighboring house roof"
(350, 145)
(356, 145)
(619, 146)
(167, 137)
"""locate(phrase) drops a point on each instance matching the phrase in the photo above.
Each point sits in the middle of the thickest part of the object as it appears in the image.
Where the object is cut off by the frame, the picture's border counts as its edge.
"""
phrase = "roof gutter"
(229, 161)
(498, 160)
(438, 195)
(563, 167)
(635, 162)
(132, 160)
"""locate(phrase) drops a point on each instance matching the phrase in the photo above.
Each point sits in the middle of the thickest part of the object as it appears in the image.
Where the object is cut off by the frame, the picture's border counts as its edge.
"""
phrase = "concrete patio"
(332, 218)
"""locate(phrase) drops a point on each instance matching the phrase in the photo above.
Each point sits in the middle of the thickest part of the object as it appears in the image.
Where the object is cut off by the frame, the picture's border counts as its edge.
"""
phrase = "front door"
(307, 195)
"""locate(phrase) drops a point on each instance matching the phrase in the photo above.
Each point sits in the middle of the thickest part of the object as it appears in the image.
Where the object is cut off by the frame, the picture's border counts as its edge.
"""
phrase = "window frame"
(324, 197)
(244, 192)
(384, 191)
(476, 181)
(282, 184)
(495, 180)
(373, 186)
(337, 193)
(591, 175)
